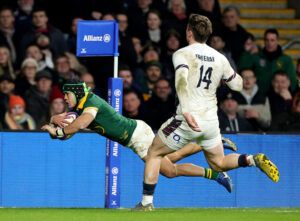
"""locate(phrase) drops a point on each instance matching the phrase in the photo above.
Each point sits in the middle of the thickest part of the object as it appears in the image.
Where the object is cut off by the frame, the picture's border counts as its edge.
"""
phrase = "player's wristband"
(60, 132)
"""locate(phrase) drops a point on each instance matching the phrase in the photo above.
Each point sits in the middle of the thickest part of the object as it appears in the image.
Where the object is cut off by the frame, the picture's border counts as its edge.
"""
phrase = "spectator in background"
(298, 73)
(108, 17)
(230, 120)
(44, 60)
(57, 103)
(126, 49)
(149, 53)
(75, 63)
(16, 118)
(153, 74)
(64, 70)
(161, 105)
(137, 16)
(8, 36)
(250, 46)
(7, 87)
(288, 121)
(208, 9)
(177, 16)
(132, 105)
(23, 15)
(234, 34)
(280, 96)
(154, 32)
(161, 6)
(72, 37)
(90, 83)
(216, 41)
(138, 48)
(254, 106)
(268, 61)
(26, 78)
(128, 81)
(40, 25)
(172, 44)
(37, 98)
(6, 66)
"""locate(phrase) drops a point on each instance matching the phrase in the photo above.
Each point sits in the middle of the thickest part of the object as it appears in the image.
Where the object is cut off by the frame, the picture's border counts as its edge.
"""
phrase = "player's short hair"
(200, 26)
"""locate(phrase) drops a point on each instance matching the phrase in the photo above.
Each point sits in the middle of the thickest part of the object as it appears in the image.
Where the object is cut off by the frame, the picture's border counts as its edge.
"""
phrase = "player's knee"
(216, 166)
(170, 172)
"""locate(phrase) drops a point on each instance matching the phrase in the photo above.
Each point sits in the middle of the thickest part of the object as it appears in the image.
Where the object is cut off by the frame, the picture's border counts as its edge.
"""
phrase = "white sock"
(147, 199)
(251, 161)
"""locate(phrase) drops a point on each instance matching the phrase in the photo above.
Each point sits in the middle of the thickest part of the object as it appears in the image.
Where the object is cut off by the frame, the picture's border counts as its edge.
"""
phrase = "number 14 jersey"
(206, 68)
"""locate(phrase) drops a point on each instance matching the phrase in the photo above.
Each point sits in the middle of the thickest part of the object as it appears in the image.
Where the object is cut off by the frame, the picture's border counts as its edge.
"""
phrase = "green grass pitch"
(176, 214)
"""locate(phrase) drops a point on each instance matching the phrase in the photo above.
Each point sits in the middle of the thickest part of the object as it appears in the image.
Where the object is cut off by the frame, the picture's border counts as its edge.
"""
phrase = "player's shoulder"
(93, 100)
(181, 51)
(215, 52)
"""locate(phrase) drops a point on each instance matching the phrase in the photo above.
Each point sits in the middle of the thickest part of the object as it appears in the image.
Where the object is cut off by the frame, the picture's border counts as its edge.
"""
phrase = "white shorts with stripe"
(176, 133)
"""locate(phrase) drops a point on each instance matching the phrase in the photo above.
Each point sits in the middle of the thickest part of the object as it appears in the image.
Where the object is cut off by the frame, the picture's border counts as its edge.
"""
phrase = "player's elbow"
(236, 85)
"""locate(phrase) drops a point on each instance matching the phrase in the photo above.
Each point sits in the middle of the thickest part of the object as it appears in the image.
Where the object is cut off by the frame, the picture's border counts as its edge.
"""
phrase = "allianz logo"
(105, 38)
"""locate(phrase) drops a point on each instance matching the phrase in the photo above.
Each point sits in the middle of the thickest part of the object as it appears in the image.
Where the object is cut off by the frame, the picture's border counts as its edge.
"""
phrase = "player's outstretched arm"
(60, 120)
(82, 122)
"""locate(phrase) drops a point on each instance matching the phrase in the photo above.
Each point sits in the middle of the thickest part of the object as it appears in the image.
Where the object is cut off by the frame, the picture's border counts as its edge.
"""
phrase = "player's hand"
(191, 122)
(60, 120)
(51, 130)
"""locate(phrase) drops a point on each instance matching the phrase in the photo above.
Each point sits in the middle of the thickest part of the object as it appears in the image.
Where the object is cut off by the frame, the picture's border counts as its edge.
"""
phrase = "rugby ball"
(71, 116)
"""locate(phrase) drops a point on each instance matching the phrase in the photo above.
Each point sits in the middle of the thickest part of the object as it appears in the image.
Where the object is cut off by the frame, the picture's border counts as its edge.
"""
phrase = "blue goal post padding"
(97, 38)
(113, 151)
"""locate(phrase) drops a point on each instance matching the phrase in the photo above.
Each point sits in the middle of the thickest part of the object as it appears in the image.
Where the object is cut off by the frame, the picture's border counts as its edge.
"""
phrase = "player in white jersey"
(199, 70)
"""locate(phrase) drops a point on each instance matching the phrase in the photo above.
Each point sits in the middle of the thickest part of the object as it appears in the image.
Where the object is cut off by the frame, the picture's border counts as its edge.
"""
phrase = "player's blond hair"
(200, 26)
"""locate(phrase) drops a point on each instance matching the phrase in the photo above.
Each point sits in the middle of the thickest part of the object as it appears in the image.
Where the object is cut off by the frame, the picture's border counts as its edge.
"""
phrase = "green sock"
(210, 174)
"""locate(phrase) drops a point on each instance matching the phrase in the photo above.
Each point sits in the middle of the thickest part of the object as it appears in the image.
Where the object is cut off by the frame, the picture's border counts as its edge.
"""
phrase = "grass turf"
(176, 214)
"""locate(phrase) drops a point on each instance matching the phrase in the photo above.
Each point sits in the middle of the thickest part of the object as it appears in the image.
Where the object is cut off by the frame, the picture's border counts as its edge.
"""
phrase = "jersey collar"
(82, 101)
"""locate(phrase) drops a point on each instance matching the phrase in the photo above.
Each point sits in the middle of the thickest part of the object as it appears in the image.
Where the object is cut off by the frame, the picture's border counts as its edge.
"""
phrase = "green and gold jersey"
(107, 122)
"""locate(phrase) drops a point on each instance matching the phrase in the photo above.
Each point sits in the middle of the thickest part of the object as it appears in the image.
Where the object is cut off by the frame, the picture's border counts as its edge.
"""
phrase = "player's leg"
(216, 159)
(171, 170)
(192, 148)
(152, 168)
(187, 150)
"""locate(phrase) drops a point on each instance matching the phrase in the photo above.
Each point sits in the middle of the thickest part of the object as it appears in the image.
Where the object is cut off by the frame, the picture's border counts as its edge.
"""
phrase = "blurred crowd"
(37, 55)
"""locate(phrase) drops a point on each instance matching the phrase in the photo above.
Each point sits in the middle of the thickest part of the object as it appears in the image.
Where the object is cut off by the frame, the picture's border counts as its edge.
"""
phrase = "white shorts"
(141, 139)
(175, 133)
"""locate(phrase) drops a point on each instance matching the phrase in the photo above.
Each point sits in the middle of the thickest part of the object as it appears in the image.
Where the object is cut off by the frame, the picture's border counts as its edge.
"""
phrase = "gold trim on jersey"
(82, 101)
